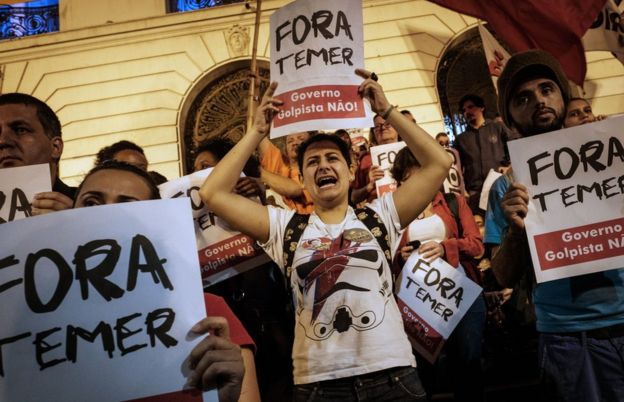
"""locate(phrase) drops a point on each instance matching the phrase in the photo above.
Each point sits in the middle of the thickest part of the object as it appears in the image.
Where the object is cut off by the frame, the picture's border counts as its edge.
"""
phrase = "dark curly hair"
(108, 153)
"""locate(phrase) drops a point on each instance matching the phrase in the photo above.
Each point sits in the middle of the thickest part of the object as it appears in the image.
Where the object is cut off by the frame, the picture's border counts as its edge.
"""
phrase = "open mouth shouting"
(326, 181)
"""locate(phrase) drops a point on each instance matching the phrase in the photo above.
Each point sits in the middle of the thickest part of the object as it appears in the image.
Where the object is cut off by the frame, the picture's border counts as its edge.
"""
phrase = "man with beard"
(580, 320)
(30, 134)
(481, 147)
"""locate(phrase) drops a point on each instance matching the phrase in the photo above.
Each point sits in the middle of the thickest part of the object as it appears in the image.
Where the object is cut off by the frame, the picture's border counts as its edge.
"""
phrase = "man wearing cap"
(580, 319)
(30, 134)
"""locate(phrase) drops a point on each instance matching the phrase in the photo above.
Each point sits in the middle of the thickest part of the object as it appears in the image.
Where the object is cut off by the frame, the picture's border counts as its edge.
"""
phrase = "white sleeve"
(274, 246)
(387, 212)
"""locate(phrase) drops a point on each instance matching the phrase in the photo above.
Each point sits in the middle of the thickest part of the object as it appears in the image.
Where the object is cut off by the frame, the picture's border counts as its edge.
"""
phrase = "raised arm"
(282, 185)
(417, 191)
(239, 212)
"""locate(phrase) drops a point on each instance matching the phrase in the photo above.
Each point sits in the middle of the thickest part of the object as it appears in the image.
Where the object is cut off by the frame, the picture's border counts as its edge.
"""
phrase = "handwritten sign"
(223, 252)
(18, 186)
(454, 182)
(315, 47)
(103, 312)
(383, 156)
(576, 185)
(432, 297)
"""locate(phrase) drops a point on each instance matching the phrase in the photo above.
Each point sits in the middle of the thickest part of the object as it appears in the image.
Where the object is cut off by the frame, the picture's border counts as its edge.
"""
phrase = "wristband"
(387, 112)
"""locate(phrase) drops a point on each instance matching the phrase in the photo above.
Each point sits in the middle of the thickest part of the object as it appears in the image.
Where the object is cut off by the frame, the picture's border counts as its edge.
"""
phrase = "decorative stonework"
(238, 40)
(220, 110)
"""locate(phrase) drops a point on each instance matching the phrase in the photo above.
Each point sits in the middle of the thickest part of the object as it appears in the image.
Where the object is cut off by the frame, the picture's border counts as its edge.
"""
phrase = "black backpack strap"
(453, 205)
(294, 229)
(371, 220)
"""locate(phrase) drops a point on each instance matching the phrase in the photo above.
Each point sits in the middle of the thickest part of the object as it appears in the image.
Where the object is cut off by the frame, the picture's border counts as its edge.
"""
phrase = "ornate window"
(28, 18)
(175, 6)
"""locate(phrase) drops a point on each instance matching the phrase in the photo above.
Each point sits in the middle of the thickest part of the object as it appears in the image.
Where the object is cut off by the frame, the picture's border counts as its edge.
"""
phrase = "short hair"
(476, 99)
(126, 167)
(344, 148)
(220, 146)
(441, 134)
(48, 119)
(403, 162)
(108, 153)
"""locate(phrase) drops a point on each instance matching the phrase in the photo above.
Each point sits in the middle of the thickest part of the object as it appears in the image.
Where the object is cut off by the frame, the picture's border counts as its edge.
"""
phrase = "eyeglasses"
(380, 127)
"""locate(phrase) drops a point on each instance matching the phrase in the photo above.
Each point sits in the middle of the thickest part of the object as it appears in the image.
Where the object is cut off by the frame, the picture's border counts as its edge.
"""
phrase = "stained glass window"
(28, 18)
(174, 6)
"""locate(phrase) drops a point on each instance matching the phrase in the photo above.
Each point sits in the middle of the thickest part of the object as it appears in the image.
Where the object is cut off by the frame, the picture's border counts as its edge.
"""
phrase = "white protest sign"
(18, 186)
(97, 303)
(315, 47)
(454, 182)
(223, 252)
(575, 178)
(485, 190)
(432, 297)
(383, 156)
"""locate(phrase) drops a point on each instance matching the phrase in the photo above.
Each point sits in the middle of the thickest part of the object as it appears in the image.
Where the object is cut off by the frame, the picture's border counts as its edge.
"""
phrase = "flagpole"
(254, 79)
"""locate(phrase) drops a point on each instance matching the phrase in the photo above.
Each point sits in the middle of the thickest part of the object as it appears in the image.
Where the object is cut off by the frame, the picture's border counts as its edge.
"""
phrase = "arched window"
(463, 70)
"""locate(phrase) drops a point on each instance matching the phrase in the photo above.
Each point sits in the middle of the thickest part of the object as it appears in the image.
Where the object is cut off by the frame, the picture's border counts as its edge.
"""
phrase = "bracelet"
(387, 112)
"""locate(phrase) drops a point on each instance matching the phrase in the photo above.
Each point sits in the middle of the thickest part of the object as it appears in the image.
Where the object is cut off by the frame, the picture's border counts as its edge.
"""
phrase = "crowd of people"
(320, 322)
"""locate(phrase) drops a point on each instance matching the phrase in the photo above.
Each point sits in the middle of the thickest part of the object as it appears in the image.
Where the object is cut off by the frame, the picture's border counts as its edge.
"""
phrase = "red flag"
(555, 26)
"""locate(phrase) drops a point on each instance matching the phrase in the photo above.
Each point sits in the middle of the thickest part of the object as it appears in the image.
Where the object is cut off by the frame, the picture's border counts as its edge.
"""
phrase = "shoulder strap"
(371, 220)
(451, 203)
(294, 229)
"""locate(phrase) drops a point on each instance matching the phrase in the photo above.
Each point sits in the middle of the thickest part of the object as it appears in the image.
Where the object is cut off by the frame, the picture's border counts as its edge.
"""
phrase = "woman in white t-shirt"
(349, 341)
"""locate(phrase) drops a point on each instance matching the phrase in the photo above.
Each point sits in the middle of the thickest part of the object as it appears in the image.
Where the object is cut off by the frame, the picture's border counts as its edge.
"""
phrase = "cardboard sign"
(103, 311)
(315, 47)
(223, 252)
(454, 182)
(18, 186)
(575, 179)
(432, 297)
(383, 156)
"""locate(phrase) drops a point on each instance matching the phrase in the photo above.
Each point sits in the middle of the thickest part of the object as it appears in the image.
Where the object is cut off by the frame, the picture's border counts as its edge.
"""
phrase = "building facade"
(130, 70)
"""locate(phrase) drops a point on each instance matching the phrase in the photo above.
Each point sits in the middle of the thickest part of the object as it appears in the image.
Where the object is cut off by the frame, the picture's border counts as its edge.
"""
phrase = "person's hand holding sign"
(515, 206)
(216, 361)
(50, 201)
(372, 90)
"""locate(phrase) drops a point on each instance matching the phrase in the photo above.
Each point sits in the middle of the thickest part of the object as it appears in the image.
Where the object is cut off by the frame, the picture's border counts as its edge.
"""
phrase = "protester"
(481, 147)
(348, 336)
(222, 359)
(280, 172)
(580, 319)
(30, 134)
(257, 296)
(443, 139)
(210, 152)
(447, 230)
(579, 111)
(123, 151)
(364, 184)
